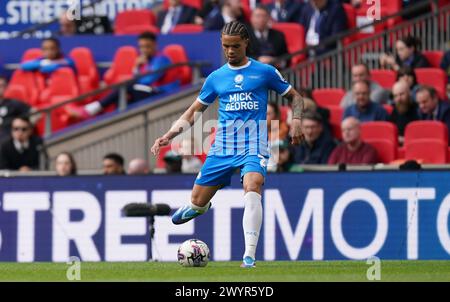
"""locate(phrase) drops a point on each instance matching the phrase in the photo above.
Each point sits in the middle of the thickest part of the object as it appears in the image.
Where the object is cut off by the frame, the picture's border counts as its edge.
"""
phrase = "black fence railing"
(46, 112)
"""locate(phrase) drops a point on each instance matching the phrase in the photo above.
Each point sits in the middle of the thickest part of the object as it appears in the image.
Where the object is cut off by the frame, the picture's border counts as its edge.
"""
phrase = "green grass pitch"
(230, 271)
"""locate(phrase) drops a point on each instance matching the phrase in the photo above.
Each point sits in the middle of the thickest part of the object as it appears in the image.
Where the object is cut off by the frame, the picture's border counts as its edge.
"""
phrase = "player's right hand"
(159, 142)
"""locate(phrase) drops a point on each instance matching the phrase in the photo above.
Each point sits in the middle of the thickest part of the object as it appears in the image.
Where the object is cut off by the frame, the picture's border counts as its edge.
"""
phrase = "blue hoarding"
(308, 216)
(19, 15)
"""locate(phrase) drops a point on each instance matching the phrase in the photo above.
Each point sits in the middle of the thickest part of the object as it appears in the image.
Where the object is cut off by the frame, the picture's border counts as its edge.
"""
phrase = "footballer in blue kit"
(241, 86)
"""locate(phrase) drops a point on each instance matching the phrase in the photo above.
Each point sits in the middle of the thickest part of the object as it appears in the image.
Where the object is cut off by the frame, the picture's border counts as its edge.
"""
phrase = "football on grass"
(193, 253)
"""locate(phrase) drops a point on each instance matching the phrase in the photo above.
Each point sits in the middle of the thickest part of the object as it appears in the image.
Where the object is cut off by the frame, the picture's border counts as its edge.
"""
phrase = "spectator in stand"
(230, 10)
(365, 110)
(94, 25)
(361, 72)
(22, 150)
(9, 109)
(177, 13)
(207, 7)
(322, 19)
(405, 109)
(281, 159)
(53, 59)
(407, 55)
(190, 162)
(138, 166)
(113, 164)
(173, 161)
(311, 105)
(67, 26)
(317, 145)
(267, 43)
(353, 150)
(408, 75)
(65, 164)
(145, 87)
(276, 128)
(286, 10)
(431, 108)
(445, 65)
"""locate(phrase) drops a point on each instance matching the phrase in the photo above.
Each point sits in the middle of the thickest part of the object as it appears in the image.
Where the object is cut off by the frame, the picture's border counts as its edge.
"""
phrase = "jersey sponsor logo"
(238, 81)
(242, 96)
(241, 101)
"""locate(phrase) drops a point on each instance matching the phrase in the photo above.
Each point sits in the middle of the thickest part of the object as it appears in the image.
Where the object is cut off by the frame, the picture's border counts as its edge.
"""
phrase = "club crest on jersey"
(239, 81)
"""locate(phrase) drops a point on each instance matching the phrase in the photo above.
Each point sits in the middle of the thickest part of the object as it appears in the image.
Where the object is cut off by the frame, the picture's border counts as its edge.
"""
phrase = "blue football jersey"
(243, 94)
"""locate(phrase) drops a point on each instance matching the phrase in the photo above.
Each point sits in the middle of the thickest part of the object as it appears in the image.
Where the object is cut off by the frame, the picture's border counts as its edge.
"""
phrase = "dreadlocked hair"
(235, 28)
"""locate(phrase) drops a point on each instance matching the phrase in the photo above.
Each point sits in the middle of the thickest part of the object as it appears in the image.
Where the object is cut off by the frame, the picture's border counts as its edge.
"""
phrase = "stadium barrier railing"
(300, 169)
(121, 86)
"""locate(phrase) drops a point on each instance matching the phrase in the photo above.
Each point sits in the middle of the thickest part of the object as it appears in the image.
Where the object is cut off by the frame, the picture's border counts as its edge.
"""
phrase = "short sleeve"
(208, 93)
(277, 82)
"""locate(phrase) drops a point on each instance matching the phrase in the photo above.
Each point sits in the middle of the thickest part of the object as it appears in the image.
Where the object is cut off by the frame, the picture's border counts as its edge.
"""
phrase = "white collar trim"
(240, 67)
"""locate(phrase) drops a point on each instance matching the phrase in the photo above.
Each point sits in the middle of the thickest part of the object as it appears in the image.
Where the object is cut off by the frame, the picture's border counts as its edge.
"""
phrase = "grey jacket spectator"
(361, 72)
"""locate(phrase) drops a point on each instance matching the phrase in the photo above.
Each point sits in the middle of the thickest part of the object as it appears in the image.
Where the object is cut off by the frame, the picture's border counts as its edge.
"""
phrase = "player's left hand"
(296, 132)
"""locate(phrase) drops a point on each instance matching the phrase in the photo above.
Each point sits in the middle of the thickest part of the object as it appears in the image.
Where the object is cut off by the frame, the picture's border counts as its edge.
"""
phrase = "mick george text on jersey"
(241, 101)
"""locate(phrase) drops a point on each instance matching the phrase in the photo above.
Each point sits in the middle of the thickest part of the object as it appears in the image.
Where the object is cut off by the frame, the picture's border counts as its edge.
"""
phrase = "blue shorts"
(217, 170)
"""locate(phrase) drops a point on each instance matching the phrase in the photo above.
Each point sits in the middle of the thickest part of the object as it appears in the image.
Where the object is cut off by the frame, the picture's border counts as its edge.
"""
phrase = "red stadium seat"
(434, 77)
(386, 78)
(420, 150)
(336, 113)
(62, 86)
(160, 163)
(31, 54)
(131, 18)
(387, 7)
(177, 54)
(246, 10)
(386, 149)
(122, 66)
(24, 82)
(426, 130)
(379, 130)
(87, 73)
(187, 28)
(62, 82)
(138, 29)
(326, 97)
(388, 108)
(16, 92)
(284, 112)
(295, 38)
(350, 12)
(434, 57)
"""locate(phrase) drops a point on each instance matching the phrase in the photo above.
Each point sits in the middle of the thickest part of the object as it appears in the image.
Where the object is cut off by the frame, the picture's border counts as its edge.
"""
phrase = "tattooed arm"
(297, 115)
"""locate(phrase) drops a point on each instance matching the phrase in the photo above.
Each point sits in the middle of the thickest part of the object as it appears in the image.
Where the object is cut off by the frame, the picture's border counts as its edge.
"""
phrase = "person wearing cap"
(173, 162)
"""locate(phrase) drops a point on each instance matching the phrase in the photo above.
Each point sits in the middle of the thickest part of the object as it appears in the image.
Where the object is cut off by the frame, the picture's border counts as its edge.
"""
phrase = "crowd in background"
(20, 149)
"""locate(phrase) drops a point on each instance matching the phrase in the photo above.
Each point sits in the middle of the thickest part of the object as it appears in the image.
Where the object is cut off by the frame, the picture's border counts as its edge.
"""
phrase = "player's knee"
(252, 187)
